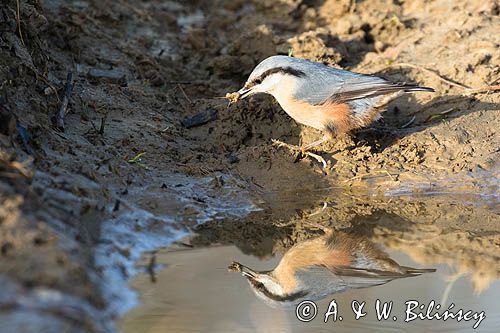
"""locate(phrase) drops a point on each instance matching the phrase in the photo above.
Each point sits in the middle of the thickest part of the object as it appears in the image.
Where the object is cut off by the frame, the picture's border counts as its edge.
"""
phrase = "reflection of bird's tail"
(410, 270)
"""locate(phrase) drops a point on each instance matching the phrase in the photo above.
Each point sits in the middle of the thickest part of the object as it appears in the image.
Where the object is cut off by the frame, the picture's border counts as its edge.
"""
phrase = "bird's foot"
(301, 150)
(280, 144)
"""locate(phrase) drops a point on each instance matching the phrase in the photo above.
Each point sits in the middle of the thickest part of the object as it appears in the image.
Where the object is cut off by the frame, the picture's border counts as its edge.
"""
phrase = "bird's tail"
(411, 270)
(411, 87)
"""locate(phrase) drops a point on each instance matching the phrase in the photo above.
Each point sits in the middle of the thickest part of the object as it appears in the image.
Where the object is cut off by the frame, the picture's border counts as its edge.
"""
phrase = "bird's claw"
(301, 150)
(318, 158)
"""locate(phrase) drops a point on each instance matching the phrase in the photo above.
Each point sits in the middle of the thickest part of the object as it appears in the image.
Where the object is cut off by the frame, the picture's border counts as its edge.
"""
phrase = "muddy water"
(187, 287)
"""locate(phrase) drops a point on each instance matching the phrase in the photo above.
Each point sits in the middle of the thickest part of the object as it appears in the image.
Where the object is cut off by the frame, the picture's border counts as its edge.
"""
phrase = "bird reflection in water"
(329, 264)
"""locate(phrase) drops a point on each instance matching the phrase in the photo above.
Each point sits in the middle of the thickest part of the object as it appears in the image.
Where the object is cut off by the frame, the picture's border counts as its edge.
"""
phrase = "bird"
(332, 263)
(332, 100)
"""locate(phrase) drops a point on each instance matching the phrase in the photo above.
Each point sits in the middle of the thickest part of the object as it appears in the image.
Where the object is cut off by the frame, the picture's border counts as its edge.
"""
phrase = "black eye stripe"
(289, 297)
(284, 70)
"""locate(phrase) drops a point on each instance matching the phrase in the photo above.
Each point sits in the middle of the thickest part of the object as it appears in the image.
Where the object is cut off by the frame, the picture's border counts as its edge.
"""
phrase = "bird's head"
(275, 75)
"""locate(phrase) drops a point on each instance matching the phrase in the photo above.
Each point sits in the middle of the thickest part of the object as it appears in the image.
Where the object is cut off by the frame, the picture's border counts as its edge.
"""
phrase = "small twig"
(68, 89)
(103, 122)
(409, 122)
(184, 93)
(10, 175)
(389, 174)
(437, 103)
(22, 168)
(360, 177)
(435, 73)
(18, 19)
(151, 268)
(187, 82)
(440, 115)
(445, 112)
(46, 81)
(482, 90)
(467, 92)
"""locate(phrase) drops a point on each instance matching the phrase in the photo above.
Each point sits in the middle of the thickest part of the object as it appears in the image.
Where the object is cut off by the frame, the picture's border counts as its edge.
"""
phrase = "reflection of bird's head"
(266, 285)
(323, 266)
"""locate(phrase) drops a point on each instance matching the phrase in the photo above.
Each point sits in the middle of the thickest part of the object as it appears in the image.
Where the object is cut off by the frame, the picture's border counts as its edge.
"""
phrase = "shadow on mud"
(406, 115)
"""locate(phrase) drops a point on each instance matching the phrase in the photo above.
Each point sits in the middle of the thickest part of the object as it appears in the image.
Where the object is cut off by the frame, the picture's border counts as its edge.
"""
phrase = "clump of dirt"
(319, 44)
(141, 68)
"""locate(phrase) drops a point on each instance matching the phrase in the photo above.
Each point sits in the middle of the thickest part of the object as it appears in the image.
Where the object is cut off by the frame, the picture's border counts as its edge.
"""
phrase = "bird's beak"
(244, 270)
(248, 272)
(244, 92)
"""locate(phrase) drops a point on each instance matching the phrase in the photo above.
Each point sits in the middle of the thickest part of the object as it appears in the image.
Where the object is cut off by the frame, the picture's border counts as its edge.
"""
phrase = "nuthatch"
(332, 100)
(322, 266)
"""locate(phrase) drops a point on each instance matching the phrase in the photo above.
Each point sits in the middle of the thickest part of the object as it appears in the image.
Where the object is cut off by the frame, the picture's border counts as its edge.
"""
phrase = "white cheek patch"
(270, 83)
(273, 287)
(285, 89)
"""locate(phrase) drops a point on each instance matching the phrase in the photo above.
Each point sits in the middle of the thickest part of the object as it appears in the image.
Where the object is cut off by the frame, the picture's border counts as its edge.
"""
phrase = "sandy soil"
(140, 68)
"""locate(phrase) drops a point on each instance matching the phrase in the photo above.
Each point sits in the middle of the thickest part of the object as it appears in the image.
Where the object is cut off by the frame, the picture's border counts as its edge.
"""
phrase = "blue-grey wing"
(335, 85)
(321, 280)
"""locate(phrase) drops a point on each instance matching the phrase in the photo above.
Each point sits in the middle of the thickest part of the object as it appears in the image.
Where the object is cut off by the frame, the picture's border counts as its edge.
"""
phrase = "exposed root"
(61, 113)
(18, 19)
(184, 93)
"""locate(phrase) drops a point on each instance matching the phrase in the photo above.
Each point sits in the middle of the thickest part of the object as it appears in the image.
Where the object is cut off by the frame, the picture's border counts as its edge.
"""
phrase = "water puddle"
(323, 246)
(195, 293)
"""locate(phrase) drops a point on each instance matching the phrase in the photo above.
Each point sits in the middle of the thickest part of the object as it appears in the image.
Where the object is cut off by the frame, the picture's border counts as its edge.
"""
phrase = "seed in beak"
(233, 97)
(244, 270)
(235, 267)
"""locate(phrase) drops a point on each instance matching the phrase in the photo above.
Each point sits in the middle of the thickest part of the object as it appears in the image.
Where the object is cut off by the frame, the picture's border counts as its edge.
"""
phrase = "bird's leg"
(280, 144)
(314, 143)
(303, 150)
(292, 148)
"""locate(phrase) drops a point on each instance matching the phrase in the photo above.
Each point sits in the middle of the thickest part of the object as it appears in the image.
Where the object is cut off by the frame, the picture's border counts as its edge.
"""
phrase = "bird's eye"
(257, 81)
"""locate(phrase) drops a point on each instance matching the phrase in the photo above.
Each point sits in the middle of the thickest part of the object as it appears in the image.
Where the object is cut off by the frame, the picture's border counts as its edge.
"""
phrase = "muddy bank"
(140, 68)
